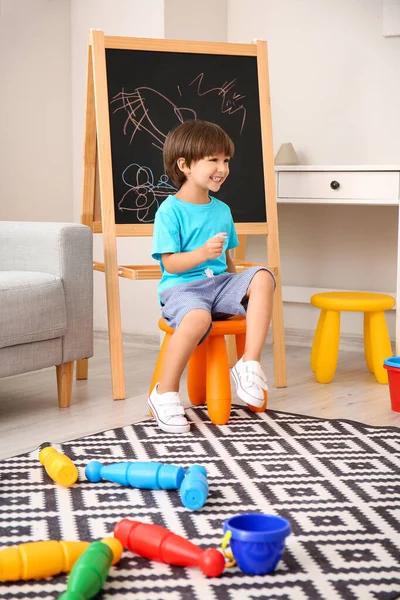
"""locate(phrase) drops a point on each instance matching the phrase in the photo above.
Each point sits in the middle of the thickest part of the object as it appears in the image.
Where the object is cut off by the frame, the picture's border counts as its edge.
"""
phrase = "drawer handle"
(335, 185)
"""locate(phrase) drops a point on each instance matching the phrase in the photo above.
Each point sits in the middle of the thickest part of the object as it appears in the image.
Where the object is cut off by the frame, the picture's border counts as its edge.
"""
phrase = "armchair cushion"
(63, 250)
(32, 307)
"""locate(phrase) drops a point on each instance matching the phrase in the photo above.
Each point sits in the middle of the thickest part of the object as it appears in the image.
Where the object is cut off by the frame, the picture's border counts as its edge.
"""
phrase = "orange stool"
(208, 370)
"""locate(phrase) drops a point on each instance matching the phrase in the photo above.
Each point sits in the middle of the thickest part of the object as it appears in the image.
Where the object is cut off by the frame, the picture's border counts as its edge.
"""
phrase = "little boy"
(193, 234)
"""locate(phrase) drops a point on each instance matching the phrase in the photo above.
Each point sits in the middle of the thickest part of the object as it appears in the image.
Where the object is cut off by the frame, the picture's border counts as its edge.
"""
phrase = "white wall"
(35, 110)
(205, 21)
(335, 94)
(335, 90)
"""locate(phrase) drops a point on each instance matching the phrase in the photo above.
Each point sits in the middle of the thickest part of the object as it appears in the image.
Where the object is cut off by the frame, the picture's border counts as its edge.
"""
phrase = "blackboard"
(151, 92)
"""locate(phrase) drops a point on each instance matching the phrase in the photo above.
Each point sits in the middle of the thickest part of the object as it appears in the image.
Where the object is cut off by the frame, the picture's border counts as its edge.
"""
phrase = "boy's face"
(208, 173)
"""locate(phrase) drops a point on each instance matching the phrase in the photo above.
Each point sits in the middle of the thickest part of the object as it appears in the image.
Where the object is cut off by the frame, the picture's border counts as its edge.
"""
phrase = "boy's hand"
(213, 247)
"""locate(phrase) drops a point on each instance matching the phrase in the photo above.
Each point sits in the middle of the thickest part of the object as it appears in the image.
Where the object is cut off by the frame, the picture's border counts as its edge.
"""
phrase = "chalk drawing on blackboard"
(143, 107)
(143, 196)
(137, 105)
(228, 105)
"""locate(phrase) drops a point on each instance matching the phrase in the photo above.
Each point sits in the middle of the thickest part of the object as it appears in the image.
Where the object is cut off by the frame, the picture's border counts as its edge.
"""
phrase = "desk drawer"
(340, 185)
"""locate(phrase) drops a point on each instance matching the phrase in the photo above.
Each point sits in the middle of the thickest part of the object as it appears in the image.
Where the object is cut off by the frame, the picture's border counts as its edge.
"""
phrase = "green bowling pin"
(91, 569)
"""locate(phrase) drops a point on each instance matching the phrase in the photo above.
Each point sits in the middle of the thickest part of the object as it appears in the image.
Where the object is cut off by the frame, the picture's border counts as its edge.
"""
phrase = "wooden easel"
(98, 181)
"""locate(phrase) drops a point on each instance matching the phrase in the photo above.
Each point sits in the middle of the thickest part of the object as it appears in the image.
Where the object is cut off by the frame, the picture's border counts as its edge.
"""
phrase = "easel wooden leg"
(64, 383)
(239, 253)
(82, 368)
(107, 213)
(114, 324)
(278, 334)
(278, 337)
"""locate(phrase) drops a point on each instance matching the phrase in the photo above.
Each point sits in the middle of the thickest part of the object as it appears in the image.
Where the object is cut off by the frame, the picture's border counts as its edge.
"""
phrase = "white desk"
(357, 185)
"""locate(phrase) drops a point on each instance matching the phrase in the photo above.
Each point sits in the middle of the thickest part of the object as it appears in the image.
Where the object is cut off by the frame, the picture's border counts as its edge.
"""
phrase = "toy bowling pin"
(157, 543)
(145, 475)
(37, 560)
(91, 569)
(58, 466)
(194, 488)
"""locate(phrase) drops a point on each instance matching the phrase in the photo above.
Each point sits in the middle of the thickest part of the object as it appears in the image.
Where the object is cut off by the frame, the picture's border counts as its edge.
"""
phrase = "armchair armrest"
(65, 250)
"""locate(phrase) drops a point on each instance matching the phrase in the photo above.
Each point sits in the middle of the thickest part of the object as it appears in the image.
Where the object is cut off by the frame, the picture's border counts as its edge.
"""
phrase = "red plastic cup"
(392, 365)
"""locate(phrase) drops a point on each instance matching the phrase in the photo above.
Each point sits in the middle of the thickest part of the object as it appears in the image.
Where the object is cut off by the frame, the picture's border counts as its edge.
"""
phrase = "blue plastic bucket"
(257, 541)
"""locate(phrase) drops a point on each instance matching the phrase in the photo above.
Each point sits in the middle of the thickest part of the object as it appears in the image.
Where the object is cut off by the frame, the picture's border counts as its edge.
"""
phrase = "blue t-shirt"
(182, 226)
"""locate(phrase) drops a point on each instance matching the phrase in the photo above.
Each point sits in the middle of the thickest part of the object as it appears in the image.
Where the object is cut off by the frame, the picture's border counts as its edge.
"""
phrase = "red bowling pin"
(158, 543)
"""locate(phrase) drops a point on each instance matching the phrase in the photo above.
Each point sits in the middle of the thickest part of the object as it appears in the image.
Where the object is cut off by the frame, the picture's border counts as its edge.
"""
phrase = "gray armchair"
(46, 299)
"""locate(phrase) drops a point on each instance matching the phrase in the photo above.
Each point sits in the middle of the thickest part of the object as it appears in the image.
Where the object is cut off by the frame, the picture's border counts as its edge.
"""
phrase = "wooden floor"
(29, 413)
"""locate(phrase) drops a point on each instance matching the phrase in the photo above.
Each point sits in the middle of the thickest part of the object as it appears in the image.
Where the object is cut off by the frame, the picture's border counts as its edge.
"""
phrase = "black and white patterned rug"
(337, 482)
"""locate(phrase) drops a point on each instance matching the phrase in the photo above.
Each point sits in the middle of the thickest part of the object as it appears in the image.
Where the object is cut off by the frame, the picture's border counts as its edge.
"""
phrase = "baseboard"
(293, 337)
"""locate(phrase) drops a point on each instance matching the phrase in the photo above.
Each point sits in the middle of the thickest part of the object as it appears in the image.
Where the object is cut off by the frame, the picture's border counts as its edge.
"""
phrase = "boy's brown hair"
(194, 140)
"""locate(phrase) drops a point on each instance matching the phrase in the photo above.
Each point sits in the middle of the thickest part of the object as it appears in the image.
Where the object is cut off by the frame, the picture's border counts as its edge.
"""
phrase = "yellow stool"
(377, 345)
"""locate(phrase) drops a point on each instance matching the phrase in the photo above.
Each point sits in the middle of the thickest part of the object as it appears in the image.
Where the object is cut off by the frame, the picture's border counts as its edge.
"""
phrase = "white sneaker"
(168, 411)
(250, 382)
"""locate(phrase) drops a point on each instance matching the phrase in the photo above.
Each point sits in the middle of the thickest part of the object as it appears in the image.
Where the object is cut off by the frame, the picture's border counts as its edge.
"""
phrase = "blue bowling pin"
(144, 475)
(194, 488)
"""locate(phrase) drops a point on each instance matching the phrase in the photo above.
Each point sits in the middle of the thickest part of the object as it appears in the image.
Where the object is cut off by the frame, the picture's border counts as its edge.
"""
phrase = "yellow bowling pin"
(37, 560)
(58, 466)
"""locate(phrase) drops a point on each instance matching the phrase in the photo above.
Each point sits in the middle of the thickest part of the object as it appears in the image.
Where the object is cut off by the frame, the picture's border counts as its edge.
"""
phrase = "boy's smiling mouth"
(216, 179)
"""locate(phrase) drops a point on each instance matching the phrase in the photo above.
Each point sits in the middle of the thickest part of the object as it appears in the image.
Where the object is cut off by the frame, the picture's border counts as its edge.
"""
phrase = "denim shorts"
(221, 295)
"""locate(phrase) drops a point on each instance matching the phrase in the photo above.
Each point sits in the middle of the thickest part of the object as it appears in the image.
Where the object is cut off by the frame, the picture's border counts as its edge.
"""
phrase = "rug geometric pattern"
(337, 482)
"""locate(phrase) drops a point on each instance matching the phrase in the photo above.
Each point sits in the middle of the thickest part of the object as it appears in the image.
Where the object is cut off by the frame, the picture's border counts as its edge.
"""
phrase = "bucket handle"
(227, 552)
